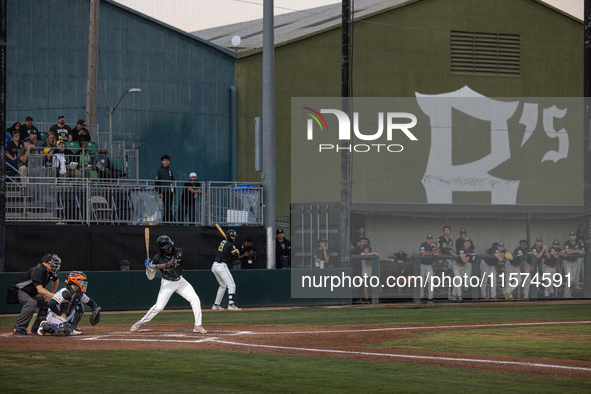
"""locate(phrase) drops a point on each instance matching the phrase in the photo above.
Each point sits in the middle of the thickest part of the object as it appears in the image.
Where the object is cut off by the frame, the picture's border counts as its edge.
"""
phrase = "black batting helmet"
(164, 242)
(231, 233)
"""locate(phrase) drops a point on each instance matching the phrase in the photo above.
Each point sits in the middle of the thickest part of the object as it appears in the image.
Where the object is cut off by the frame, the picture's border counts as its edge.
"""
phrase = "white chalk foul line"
(415, 328)
(406, 356)
(102, 338)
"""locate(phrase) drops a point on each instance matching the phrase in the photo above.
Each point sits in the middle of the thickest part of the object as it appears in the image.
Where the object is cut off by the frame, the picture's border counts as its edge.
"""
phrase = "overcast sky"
(192, 15)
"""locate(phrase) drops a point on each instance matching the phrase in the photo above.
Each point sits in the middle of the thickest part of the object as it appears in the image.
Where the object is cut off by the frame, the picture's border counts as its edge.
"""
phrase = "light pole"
(111, 110)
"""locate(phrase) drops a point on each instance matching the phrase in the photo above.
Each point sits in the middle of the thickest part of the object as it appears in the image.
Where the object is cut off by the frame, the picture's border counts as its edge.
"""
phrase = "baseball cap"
(61, 116)
(28, 118)
(83, 142)
(501, 244)
(462, 231)
(572, 233)
(556, 242)
(60, 142)
(279, 231)
(321, 240)
(539, 239)
(81, 122)
(468, 239)
(429, 236)
(193, 174)
(523, 241)
(366, 246)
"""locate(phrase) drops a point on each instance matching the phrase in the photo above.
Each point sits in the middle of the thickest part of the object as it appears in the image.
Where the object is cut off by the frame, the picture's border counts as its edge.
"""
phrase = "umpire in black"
(32, 292)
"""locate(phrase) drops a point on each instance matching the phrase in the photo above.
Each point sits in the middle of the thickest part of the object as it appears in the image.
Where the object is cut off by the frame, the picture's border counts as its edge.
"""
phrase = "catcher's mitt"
(95, 316)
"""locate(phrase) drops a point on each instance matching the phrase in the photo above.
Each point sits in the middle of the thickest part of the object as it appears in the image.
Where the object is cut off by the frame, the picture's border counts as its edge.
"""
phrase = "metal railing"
(83, 163)
(132, 201)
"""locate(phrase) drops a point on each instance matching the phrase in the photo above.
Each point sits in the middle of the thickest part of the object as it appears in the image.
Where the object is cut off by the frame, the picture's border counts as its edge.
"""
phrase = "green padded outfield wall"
(131, 290)
(185, 104)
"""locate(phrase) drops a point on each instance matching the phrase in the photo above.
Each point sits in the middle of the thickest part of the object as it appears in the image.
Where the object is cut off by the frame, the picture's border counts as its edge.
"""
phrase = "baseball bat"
(147, 237)
(221, 231)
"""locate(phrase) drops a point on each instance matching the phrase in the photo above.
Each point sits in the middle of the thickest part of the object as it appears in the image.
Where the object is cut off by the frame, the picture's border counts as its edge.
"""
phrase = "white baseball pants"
(460, 270)
(488, 272)
(182, 288)
(226, 281)
(427, 275)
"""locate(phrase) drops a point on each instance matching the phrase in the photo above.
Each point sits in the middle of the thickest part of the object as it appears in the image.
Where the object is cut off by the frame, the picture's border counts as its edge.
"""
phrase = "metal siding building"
(184, 107)
(406, 48)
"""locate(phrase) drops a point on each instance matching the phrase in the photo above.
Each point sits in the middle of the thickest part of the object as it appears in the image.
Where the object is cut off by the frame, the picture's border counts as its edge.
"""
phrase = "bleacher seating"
(74, 146)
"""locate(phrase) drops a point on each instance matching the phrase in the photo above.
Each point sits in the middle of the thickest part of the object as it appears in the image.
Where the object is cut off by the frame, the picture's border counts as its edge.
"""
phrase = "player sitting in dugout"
(66, 308)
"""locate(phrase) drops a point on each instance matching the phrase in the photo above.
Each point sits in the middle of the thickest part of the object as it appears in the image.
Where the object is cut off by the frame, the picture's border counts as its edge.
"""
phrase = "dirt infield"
(335, 342)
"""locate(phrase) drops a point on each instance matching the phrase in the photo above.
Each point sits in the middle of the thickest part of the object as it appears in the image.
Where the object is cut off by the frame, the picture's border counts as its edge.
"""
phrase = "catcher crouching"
(66, 309)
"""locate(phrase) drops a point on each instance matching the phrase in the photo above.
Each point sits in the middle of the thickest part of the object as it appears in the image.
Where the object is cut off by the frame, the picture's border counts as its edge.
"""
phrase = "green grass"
(186, 371)
(191, 371)
(532, 341)
(363, 316)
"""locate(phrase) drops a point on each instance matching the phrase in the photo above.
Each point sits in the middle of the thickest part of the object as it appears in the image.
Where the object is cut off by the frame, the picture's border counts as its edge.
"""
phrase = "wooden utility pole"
(91, 82)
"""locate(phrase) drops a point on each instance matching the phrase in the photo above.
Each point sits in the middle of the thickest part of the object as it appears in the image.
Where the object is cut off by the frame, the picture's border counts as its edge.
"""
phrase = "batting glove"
(150, 265)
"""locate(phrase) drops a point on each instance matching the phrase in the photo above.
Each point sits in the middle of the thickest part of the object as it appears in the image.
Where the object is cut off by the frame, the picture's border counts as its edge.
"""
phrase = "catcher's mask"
(54, 262)
(164, 242)
(79, 279)
(231, 233)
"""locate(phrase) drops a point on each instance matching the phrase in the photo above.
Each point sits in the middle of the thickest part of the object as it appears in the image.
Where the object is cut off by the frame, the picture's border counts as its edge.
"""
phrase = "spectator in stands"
(36, 142)
(282, 251)
(64, 161)
(246, 256)
(50, 141)
(16, 126)
(165, 182)
(61, 130)
(30, 129)
(187, 205)
(23, 158)
(12, 151)
(80, 133)
(8, 138)
(102, 164)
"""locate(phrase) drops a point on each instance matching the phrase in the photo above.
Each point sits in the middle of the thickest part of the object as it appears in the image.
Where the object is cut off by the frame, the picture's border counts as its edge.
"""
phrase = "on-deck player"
(223, 257)
(168, 262)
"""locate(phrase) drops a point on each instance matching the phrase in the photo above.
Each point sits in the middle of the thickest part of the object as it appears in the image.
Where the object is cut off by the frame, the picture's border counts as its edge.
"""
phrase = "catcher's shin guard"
(77, 317)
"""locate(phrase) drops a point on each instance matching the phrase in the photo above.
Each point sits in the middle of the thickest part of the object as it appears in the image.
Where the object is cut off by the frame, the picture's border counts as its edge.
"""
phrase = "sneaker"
(76, 331)
(135, 327)
(233, 308)
(430, 301)
(200, 330)
(216, 308)
(19, 332)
